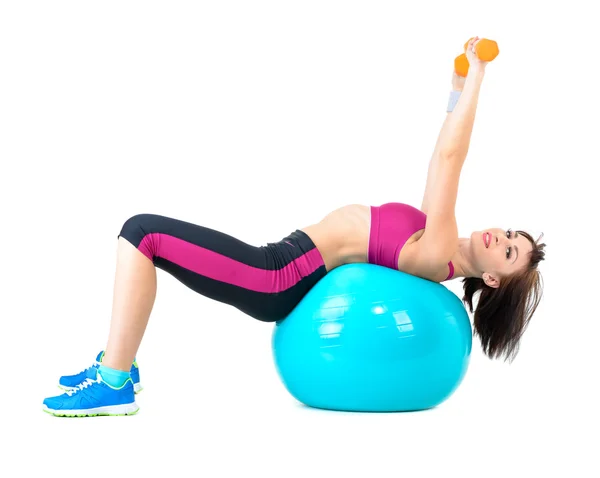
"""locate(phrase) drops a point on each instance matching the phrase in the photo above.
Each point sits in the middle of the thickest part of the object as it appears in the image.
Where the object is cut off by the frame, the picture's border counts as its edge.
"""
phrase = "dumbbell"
(486, 50)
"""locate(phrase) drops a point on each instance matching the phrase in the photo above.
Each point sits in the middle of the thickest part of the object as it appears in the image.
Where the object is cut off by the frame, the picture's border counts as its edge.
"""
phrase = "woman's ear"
(490, 280)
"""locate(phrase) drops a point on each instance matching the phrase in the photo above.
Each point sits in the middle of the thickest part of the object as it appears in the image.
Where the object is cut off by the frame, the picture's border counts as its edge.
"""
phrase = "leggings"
(264, 282)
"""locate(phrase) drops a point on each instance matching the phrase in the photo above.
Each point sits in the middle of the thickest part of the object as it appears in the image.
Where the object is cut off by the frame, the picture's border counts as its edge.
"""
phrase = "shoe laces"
(86, 383)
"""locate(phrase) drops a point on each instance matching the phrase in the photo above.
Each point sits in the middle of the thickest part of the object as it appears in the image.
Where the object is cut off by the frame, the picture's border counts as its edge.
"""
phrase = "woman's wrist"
(473, 79)
(476, 73)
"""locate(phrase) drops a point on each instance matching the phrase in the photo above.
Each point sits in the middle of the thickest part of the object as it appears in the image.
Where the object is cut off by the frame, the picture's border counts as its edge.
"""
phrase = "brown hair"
(503, 313)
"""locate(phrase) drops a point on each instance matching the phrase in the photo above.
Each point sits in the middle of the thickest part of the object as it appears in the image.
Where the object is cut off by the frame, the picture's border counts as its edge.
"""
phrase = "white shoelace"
(86, 383)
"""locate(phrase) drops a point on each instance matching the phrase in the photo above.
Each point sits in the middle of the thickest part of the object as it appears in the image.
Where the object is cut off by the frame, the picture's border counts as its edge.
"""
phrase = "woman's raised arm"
(441, 231)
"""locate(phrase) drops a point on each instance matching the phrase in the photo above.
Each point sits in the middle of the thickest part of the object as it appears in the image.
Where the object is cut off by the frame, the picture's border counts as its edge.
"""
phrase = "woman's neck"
(464, 263)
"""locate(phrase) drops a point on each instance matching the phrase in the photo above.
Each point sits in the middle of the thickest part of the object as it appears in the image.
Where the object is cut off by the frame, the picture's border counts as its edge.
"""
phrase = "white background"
(257, 118)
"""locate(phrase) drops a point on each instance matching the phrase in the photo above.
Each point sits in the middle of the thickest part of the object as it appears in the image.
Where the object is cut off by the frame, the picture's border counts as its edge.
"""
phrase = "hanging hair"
(503, 313)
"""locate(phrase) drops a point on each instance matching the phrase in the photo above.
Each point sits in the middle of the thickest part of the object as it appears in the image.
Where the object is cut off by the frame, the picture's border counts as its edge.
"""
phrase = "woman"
(267, 282)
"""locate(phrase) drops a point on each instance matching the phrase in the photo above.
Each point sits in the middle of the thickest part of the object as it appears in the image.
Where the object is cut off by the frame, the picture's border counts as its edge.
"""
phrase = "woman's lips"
(487, 239)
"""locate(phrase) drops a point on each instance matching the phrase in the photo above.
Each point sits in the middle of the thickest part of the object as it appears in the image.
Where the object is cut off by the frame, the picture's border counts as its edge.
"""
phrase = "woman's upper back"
(384, 235)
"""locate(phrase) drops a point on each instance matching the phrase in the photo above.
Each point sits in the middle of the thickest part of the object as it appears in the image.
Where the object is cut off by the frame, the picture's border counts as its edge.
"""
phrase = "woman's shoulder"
(423, 262)
(418, 263)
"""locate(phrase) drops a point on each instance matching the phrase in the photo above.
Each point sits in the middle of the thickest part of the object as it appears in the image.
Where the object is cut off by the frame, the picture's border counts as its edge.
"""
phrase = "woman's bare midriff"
(342, 237)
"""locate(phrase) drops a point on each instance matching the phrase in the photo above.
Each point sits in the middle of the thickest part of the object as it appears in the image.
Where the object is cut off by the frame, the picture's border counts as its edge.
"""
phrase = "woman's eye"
(508, 252)
(509, 233)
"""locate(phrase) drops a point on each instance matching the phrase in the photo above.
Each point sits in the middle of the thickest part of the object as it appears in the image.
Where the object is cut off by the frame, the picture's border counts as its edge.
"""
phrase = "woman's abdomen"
(342, 236)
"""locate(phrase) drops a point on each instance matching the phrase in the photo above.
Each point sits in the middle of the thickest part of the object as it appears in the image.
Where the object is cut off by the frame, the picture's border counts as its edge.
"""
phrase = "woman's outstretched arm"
(446, 166)
(455, 134)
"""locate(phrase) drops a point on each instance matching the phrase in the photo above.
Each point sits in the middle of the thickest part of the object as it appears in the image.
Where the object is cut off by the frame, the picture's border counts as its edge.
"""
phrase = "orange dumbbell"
(486, 50)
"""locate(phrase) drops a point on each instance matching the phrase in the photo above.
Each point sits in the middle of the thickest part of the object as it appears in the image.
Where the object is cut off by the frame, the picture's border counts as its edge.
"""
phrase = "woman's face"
(500, 252)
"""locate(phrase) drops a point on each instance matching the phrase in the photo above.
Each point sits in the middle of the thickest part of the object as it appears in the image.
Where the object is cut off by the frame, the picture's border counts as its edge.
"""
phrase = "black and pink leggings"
(265, 282)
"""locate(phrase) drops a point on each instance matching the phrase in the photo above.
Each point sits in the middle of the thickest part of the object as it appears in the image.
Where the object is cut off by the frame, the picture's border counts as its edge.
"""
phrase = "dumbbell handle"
(486, 50)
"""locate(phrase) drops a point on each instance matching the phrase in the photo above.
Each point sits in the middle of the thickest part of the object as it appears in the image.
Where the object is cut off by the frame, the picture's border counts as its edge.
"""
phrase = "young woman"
(267, 282)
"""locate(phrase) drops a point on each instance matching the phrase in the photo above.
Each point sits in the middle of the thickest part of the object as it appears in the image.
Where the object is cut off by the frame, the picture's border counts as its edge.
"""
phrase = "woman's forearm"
(455, 135)
(444, 127)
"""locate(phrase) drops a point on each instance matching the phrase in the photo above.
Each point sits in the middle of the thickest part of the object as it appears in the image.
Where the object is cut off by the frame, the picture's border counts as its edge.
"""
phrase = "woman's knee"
(138, 231)
(138, 222)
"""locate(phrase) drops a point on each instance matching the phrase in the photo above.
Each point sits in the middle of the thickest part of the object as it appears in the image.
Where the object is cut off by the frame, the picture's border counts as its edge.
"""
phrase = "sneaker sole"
(137, 388)
(111, 410)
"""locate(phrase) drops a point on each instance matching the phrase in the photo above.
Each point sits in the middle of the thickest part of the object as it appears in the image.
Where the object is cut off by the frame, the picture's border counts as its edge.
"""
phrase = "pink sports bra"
(391, 226)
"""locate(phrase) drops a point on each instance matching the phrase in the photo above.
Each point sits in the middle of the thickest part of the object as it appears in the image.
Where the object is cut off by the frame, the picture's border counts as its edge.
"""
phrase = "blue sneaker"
(92, 398)
(70, 382)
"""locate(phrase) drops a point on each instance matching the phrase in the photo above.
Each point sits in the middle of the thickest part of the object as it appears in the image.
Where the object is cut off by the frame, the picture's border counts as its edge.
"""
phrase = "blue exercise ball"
(373, 339)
